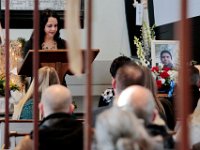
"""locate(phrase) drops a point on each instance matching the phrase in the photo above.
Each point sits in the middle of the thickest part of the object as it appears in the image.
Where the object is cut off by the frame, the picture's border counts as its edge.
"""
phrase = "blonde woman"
(46, 76)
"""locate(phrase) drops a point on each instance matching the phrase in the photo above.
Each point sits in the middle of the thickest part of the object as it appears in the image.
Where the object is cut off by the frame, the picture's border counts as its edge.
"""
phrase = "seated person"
(58, 130)
(164, 106)
(194, 86)
(128, 74)
(194, 117)
(108, 95)
(24, 109)
(117, 129)
(140, 100)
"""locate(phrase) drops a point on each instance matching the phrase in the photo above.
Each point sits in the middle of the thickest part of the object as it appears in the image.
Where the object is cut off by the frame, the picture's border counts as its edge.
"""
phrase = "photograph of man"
(166, 59)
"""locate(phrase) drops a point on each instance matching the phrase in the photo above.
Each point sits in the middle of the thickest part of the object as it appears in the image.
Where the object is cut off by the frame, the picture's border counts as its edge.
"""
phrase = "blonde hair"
(46, 76)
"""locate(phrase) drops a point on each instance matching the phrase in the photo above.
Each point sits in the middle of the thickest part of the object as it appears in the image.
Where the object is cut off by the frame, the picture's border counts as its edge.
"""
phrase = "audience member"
(194, 126)
(194, 117)
(120, 130)
(164, 106)
(128, 74)
(141, 101)
(108, 95)
(58, 130)
(194, 86)
(46, 76)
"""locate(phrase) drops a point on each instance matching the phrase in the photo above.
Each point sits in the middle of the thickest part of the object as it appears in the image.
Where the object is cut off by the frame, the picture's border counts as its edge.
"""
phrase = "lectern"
(54, 58)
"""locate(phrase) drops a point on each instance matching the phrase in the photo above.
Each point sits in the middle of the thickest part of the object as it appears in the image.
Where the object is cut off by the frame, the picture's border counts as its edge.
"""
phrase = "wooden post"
(35, 72)
(88, 98)
(7, 64)
(183, 83)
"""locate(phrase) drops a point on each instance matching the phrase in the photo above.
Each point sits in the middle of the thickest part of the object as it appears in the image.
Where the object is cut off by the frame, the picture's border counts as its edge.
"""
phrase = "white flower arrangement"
(143, 44)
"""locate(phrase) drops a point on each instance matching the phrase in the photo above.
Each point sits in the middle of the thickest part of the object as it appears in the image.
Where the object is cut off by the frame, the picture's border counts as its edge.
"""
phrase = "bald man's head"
(56, 98)
(138, 99)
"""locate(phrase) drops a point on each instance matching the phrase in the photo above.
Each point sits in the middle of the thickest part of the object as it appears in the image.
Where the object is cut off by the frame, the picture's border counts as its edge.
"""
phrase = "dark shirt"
(195, 95)
(169, 115)
(60, 131)
(170, 65)
(155, 130)
(61, 44)
(106, 97)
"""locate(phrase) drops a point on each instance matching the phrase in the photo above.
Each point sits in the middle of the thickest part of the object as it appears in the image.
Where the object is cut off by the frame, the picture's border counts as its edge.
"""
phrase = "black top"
(155, 130)
(60, 131)
(195, 95)
(61, 44)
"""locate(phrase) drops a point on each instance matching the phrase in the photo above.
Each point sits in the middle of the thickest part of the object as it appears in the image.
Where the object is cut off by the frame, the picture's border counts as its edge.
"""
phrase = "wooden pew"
(15, 126)
(18, 129)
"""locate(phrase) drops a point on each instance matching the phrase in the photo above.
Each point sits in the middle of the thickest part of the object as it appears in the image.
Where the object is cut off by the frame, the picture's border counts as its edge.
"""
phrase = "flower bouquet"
(2, 85)
(165, 79)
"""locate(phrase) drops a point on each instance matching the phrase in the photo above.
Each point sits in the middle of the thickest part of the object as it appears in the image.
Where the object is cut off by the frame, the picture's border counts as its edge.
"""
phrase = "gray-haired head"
(139, 100)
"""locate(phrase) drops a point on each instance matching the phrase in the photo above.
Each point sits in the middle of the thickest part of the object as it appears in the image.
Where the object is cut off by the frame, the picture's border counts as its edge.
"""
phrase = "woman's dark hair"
(44, 16)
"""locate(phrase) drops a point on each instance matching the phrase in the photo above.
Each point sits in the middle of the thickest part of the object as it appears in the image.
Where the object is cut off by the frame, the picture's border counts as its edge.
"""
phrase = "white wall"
(110, 30)
(168, 11)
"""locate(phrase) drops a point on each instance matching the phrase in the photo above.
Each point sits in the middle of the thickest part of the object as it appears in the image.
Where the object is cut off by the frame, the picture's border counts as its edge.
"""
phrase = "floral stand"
(168, 89)
(2, 106)
(14, 99)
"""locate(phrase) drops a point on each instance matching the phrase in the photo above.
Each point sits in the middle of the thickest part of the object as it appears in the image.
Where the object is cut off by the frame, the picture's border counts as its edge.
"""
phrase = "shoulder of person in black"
(156, 130)
(60, 130)
(61, 44)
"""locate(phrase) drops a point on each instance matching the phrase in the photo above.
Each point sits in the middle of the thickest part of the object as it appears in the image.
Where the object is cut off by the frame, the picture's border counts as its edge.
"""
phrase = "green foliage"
(3, 83)
(75, 105)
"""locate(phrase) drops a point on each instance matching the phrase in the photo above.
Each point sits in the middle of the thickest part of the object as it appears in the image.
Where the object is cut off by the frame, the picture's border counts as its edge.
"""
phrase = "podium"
(53, 58)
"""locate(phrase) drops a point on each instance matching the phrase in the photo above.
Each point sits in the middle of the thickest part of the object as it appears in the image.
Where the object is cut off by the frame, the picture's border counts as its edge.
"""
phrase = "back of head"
(56, 98)
(150, 84)
(138, 99)
(129, 74)
(116, 128)
(194, 74)
(117, 63)
(47, 76)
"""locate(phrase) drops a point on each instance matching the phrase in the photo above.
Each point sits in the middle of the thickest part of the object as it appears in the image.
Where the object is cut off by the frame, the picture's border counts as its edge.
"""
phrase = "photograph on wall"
(165, 53)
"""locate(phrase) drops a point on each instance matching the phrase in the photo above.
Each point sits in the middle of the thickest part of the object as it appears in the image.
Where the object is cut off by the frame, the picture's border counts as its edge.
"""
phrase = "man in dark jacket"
(58, 129)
